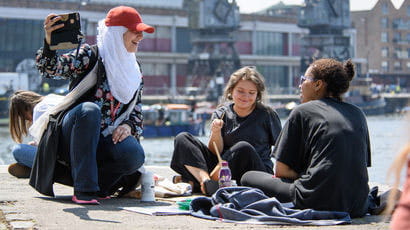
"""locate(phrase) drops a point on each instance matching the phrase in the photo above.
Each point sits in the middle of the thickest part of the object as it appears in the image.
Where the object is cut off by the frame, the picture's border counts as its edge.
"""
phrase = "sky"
(249, 6)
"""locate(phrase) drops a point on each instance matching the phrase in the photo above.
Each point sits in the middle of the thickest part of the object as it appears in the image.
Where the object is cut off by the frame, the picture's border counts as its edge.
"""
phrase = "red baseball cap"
(127, 17)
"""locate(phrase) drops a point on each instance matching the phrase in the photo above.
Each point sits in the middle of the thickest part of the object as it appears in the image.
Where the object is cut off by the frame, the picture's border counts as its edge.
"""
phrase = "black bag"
(69, 36)
(48, 167)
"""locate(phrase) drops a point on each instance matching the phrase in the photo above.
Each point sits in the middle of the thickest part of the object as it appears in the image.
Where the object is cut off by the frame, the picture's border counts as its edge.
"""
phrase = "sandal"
(85, 198)
(211, 187)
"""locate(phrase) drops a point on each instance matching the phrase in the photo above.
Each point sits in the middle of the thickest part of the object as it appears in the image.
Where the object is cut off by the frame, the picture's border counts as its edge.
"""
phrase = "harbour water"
(387, 135)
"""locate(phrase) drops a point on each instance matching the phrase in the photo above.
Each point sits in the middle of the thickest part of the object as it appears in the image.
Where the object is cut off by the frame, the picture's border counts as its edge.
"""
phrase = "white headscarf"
(123, 73)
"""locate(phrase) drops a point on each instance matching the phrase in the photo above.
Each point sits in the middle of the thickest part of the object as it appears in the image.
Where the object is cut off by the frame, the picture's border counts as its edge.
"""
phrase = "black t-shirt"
(327, 143)
(260, 129)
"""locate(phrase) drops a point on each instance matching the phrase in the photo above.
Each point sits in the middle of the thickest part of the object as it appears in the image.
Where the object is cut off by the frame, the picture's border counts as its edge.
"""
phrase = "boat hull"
(151, 131)
(374, 107)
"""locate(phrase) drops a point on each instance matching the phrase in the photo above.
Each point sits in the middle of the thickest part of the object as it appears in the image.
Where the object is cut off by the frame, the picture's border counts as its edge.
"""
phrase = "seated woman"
(323, 150)
(24, 109)
(243, 129)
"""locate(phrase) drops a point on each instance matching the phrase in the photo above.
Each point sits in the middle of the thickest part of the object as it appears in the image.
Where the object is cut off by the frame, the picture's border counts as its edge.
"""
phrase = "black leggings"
(270, 185)
(188, 150)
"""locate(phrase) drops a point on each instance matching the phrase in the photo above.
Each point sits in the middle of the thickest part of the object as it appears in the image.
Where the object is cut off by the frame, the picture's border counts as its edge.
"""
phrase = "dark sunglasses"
(303, 78)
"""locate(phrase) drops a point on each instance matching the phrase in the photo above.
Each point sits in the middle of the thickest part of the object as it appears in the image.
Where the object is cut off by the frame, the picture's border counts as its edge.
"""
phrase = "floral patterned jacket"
(66, 66)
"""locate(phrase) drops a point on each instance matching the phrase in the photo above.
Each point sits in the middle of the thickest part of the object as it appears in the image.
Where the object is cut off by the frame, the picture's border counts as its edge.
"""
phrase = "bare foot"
(203, 188)
(176, 179)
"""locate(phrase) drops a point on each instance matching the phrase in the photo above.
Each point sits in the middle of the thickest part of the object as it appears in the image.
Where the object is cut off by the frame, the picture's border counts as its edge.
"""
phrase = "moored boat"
(168, 120)
(361, 95)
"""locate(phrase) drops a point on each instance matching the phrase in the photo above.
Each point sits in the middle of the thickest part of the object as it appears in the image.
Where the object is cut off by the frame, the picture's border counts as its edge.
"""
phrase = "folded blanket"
(251, 205)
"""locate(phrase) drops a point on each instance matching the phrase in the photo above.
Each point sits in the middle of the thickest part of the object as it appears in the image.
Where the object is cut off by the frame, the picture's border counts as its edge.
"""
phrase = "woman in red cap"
(100, 120)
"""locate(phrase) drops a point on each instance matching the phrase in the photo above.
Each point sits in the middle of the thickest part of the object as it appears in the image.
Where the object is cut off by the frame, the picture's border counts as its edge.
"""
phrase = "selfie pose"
(97, 126)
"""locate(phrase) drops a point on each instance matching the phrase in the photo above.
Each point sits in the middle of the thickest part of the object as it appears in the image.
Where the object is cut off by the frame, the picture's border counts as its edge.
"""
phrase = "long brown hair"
(21, 102)
(245, 73)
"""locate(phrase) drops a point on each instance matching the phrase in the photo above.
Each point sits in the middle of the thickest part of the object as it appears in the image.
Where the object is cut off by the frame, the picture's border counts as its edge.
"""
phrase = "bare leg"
(215, 173)
(200, 175)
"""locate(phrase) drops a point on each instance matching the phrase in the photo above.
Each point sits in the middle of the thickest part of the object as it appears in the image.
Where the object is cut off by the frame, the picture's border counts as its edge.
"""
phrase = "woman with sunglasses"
(323, 151)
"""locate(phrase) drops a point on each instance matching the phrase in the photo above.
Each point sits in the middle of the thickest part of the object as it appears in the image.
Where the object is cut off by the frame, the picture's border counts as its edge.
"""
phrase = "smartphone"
(69, 36)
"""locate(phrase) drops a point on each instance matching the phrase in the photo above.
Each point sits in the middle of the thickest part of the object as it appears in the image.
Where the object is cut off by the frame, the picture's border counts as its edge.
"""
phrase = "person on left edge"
(25, 107)
(101, 131)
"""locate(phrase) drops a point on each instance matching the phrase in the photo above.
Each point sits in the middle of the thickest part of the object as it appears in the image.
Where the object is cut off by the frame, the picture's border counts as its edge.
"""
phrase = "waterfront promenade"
(21, 207)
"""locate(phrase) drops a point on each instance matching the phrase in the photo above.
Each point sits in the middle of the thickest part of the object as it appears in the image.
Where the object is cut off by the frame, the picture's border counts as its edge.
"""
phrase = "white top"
(47, 103)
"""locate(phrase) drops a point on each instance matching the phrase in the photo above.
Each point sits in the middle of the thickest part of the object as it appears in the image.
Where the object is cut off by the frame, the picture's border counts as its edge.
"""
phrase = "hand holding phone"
(64, 31)
(50, 27)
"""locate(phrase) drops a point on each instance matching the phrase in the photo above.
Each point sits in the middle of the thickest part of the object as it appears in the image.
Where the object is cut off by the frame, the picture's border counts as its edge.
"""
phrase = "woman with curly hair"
(323, 151)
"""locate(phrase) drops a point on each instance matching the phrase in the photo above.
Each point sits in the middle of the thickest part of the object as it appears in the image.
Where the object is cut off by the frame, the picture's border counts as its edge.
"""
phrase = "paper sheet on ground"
(158, 210)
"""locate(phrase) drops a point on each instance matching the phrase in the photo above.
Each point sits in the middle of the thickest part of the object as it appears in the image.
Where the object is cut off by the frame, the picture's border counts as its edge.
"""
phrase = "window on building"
(296, 44)
(148, 69)
(384, 37)
(244, 42)
(13, 49)
(408, 10)
(155, 69)
(163, 32)
(408, 37)
(397, 53)
(385, 66)
(270, 43)
(385, 8)
(408, 65)
(158, 41)
(396, 37)
(397, 65)
(276, 78)
(385, 51)
(183, 40)
(384, 22)
(408, 52)
(395, 23)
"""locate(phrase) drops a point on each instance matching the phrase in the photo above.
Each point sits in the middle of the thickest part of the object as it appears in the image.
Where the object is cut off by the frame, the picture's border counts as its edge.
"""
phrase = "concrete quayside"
(21, 207)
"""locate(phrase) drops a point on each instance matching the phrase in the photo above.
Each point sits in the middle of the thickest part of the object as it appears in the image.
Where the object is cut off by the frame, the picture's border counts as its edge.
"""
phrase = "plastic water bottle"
(225, 175)
(147, 187)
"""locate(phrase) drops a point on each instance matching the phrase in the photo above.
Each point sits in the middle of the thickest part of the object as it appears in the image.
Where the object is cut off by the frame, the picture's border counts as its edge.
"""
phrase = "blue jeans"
(24, 154)
(96, 163)
(117, 160)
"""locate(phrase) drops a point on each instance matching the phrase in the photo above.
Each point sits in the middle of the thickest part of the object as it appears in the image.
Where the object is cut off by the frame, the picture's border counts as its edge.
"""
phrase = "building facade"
(383, 35)
(269, 42)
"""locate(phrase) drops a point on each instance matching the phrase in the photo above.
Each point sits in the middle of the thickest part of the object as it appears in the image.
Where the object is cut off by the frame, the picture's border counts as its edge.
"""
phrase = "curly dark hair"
(337, 75)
